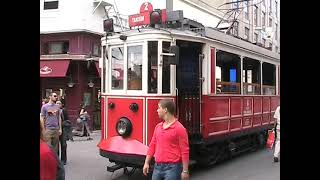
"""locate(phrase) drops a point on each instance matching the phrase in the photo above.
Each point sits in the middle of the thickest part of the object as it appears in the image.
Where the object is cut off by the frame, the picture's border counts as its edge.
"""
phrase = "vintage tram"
(225, 89)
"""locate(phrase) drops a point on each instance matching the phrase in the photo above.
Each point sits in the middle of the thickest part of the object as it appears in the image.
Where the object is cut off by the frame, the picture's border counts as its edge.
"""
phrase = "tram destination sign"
(139, 19)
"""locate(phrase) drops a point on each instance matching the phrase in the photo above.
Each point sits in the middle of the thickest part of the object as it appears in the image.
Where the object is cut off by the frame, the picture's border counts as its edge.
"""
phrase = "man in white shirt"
(277, 131)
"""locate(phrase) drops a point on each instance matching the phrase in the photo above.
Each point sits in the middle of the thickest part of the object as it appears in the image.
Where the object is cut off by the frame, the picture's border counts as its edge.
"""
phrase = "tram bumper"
(124, 151)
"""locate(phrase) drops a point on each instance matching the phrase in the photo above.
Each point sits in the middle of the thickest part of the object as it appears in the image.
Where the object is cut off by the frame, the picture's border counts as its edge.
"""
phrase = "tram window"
(117, 68)
(227, 73)
(152, 66)
(269, 79)
(251, 77)
(135, 67)
(165, 68)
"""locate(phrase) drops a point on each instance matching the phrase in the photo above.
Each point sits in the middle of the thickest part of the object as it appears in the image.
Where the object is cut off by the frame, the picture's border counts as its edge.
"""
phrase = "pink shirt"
(169, 145)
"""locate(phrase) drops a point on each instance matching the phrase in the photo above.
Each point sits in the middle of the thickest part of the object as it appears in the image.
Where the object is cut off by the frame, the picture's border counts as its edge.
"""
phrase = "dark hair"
(169, 104)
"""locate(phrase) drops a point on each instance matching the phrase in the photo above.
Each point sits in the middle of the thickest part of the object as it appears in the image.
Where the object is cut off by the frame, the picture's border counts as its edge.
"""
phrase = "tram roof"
(207, 34)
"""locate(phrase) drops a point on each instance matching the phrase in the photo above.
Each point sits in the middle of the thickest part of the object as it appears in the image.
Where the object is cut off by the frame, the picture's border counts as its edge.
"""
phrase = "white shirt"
(277, 116)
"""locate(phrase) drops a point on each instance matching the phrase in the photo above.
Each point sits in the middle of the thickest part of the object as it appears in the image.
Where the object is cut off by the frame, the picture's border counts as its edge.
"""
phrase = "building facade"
(70, 41)
(258, 21)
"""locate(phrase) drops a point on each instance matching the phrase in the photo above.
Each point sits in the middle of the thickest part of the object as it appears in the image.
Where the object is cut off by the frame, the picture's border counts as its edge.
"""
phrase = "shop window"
(269, 79)
(165, 68)
(135, 67)
(251, 77)
(50, 4)
(117, 67)
(86, 99)
(152, 66)
(227, 73)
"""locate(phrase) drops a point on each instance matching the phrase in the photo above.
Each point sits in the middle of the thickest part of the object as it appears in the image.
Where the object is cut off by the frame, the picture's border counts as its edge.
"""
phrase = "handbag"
(270, 140)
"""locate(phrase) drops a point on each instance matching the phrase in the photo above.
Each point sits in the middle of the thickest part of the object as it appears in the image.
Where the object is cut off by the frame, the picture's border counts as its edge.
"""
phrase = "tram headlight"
(124, 127)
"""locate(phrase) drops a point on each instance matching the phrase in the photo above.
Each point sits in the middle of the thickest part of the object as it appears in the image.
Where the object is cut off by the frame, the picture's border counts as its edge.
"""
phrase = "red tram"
(226, 91)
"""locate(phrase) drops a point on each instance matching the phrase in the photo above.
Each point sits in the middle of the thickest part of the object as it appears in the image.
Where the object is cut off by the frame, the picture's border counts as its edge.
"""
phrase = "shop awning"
(98, 69)
(53, 68)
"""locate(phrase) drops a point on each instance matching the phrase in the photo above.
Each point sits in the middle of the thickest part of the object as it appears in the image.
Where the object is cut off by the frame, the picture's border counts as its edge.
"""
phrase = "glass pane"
(269, 79)
(165, 69)
(229, 68)
(117, 68)
(135, 67)
(152, 66)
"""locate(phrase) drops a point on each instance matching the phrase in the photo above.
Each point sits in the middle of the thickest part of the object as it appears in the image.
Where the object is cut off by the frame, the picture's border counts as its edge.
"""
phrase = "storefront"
(76, 82)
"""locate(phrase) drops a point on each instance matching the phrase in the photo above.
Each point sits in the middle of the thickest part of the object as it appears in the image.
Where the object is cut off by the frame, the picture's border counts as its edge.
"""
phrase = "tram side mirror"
(175, 58)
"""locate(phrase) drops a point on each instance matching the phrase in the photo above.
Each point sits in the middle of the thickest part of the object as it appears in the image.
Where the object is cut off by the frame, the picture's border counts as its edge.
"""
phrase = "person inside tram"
(153, 80)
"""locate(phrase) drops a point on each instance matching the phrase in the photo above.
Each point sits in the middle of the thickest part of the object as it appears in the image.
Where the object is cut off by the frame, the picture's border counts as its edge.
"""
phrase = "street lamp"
(90, 84)
(70, 83)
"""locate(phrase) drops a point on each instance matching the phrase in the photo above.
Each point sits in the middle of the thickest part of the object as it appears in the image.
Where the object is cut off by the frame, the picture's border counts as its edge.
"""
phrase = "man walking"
(51, 122)
(169, 146)
(66, 126)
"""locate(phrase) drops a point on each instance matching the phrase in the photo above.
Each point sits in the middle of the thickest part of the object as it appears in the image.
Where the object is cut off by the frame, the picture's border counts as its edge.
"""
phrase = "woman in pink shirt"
(169, 146)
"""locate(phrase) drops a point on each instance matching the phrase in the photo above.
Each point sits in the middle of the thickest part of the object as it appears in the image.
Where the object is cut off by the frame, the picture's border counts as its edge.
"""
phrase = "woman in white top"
(277, 131)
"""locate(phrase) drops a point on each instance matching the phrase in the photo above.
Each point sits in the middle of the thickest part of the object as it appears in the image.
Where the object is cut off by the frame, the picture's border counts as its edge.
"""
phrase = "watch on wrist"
(184, 171)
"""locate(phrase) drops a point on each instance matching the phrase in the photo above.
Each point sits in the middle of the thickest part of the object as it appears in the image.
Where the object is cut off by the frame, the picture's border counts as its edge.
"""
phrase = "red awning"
(53, 68)
(98, 69)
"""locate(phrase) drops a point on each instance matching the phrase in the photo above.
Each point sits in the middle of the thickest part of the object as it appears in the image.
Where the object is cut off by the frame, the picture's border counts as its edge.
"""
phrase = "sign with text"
(139, 19)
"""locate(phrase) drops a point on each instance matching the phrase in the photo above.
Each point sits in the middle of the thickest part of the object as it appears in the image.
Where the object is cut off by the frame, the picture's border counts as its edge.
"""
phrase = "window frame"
(51, 4)
(48, 46)
(246, 29)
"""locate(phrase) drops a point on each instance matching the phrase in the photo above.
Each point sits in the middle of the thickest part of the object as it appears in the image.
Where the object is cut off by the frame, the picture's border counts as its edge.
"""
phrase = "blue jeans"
(164, 171)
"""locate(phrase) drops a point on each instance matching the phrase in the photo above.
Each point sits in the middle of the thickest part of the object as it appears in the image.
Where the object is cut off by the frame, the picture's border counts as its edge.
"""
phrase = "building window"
(270, 46)
(95, 49)
(276, 32)
(246, 10)
(228, 73)
(263, 18)
(236, 28)
(246, 33)
(235, 4)
(50, 4)
(255, 37)
(270, 6)
(277, 49)
(56, 47)
(255, 17)
(276, 4)
(270, 22)
(264, 42)
(264, 2)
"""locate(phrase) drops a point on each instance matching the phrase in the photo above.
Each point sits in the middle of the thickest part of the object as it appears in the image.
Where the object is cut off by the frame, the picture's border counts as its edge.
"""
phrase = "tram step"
(114, 168)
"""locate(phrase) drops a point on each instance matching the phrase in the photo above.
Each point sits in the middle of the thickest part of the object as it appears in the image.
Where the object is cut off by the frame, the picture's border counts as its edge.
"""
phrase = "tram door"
(188, 85)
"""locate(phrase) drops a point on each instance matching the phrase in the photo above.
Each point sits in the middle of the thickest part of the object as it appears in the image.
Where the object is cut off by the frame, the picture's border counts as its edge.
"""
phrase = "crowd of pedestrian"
(55, 131)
